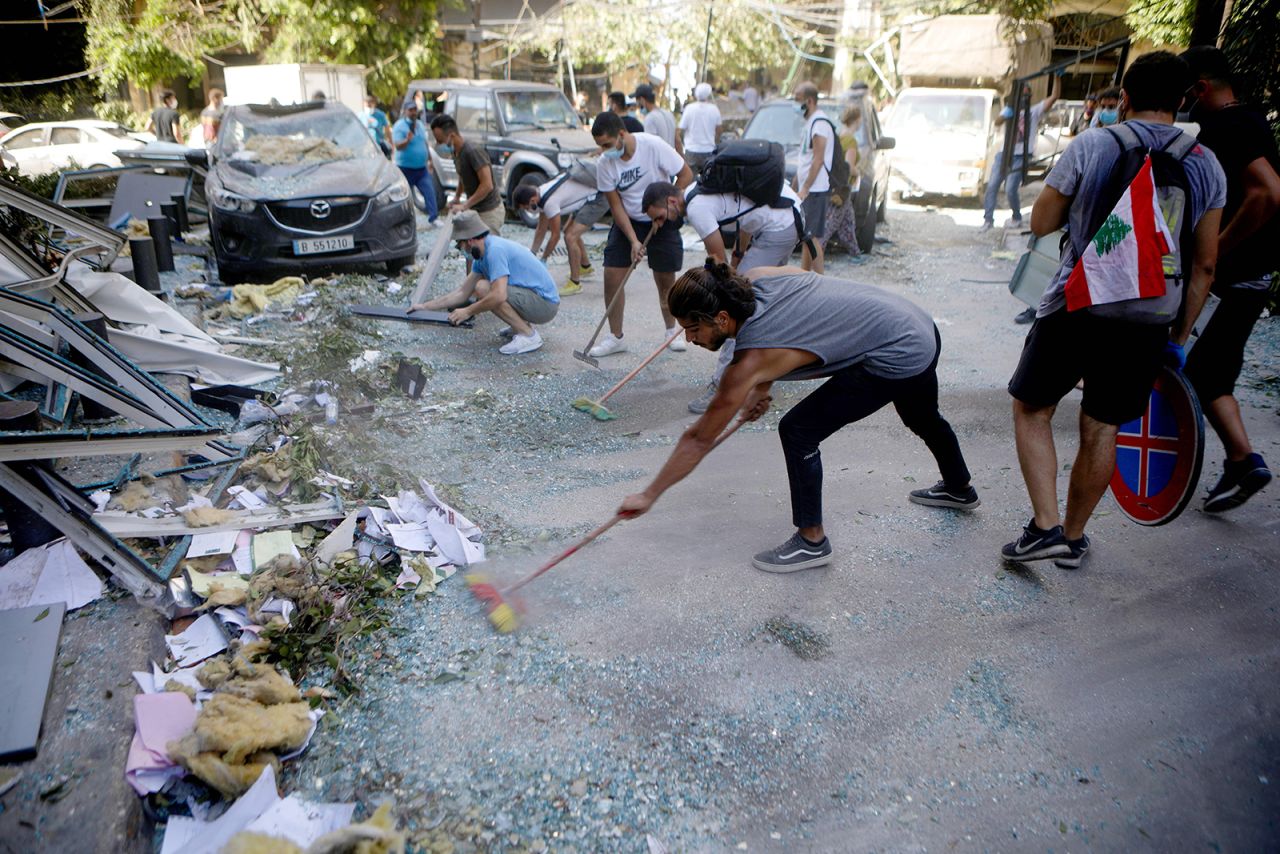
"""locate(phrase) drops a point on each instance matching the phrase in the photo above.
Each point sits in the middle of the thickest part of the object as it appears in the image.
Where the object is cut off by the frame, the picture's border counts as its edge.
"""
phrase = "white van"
(944, 137)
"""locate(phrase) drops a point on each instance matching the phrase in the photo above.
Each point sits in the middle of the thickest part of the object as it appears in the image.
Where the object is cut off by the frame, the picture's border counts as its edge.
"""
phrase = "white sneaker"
(608, 346)
(521, 344)
(677, 344)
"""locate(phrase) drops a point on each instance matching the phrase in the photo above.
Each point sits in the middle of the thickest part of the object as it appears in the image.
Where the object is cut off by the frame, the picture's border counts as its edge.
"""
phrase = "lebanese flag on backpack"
(1123, 260)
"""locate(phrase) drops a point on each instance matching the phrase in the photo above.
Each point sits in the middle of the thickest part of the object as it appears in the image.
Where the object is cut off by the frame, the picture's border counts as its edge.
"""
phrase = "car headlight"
(397, 192)
(564, 161)
(229, 201)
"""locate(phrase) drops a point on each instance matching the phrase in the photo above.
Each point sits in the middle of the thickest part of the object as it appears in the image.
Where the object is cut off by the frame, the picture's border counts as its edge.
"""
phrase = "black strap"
(563, 179)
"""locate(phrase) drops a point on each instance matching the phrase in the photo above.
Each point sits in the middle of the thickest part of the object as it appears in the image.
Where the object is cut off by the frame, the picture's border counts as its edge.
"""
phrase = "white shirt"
(661, 124)
(705, 212)
(568, 197)
(653, 160)
(699, 122)
(750, 99)
(818, 125)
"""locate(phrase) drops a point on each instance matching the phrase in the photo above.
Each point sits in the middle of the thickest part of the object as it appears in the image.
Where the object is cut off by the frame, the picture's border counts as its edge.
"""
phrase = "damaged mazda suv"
(299, 187)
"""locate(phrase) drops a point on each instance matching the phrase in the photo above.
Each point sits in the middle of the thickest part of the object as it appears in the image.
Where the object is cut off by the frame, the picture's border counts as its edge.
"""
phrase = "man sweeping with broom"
(873, 347)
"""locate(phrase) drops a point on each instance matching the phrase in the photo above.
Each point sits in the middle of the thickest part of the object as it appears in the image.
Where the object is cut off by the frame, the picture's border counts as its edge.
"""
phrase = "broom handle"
(629, 377)
(600, 530)
(621, 285)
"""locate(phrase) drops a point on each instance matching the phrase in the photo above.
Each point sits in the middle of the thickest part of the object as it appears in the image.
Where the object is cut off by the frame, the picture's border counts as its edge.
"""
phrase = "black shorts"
(1117, 359)
(1214, 363)
(665, 252)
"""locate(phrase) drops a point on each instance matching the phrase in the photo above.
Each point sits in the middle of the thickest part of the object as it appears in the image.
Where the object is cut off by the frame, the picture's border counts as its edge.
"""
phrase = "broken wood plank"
(392, 312)
(28, 648)
(126, 525)
(439, 249)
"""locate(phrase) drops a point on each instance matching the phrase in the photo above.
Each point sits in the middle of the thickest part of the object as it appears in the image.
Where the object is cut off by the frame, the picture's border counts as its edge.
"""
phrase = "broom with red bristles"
(500, 613)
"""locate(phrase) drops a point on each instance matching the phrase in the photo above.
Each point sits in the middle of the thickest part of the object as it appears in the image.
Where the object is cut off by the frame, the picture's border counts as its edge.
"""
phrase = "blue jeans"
(421, 178)
(1012, 182)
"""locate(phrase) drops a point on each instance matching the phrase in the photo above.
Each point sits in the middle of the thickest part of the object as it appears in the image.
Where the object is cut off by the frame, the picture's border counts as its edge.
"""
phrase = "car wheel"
(395, 265)
(866, 233)
(537, 178)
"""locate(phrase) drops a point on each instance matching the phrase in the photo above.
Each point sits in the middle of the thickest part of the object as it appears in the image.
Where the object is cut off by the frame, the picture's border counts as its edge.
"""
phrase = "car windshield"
(779, 122)
(294, 140)
(536, 110)
(922, 114)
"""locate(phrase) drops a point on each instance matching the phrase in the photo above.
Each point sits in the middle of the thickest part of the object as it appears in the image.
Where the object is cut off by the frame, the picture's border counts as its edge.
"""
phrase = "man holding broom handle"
(873, 347)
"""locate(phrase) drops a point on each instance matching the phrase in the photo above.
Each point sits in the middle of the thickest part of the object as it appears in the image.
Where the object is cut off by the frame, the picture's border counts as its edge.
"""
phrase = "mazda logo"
(320, 209)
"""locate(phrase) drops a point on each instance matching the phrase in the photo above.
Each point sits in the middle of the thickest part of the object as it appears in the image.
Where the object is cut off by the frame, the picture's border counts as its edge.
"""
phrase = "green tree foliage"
(156, 41)
(1164, 24)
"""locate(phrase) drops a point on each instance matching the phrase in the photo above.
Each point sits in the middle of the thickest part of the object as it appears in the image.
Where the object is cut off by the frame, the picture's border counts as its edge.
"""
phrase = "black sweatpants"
(849, 396)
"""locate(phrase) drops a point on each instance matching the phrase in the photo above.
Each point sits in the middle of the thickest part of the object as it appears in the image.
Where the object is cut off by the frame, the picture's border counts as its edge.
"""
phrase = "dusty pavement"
(915, 695)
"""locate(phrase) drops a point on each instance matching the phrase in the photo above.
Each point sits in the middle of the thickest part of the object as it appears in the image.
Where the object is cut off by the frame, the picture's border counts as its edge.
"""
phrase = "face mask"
(613, 153)
(476, 253)
(1108, 115)
(446, 148)
(802, 109)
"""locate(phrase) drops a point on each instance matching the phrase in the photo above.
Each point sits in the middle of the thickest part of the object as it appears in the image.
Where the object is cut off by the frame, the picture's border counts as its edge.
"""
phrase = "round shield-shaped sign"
(1158, 456)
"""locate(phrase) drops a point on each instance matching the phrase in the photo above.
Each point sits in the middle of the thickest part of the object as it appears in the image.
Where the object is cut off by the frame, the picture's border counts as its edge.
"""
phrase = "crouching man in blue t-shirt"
(505, 279)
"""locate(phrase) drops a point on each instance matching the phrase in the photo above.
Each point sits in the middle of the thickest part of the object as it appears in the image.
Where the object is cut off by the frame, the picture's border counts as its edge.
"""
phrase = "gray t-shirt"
(1082, 173)
(842, 323)
(661, 124)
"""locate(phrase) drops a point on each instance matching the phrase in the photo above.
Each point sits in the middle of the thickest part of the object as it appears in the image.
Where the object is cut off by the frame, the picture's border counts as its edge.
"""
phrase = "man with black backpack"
(1249, 252)
(1103, 319)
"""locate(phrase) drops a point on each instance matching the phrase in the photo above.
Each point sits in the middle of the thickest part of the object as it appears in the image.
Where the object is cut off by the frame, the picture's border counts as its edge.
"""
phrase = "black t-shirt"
(632, 124)
(1238, 136)
(164, 118)
(468, 160)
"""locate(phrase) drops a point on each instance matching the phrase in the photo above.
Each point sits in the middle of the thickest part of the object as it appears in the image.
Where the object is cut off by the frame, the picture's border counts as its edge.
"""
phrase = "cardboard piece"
(28, 647)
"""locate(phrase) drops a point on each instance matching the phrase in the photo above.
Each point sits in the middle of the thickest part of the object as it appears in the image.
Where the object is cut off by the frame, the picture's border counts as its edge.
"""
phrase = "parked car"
(778, 121)
(43, 147)
(303, 186)
(530, 130)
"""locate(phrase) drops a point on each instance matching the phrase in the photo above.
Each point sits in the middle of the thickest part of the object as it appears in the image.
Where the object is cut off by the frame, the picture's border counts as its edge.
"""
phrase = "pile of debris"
(274, 150)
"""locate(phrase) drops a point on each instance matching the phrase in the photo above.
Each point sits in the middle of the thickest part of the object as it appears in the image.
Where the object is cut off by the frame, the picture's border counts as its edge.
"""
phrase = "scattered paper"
(301, 822)
(159, 718)
(452, 543)
(246, 499)
(100, 500)
(456, 519)
(283, 607)
(411, 536)
(189, 836)
(270, 545)
(340, 539)
(48, 574)
(407, 578)
(217, 543)
(202, 639)
(237, 616)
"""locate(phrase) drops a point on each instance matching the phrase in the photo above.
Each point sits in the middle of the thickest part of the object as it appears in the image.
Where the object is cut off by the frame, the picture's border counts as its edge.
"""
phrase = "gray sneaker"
(793, 555)
(699, 404)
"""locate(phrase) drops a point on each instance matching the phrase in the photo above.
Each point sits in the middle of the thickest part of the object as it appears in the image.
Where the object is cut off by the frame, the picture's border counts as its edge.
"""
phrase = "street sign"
(1158, 456)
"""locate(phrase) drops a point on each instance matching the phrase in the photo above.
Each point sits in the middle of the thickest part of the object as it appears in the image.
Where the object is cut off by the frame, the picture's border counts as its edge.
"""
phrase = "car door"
(28, 149)
(65, 149)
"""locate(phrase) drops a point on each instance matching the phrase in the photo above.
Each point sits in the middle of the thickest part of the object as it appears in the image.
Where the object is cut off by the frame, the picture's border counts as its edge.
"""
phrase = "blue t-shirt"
(375, 120)
(504, 257)
(413, 155)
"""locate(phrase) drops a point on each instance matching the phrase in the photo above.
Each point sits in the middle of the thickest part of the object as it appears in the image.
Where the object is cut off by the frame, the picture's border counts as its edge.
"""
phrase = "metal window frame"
(70, 222)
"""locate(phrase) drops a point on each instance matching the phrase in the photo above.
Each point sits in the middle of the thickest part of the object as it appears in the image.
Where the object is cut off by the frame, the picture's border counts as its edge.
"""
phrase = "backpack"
(581, 169)
(1172, 195)
(839, 174)
(755, 168)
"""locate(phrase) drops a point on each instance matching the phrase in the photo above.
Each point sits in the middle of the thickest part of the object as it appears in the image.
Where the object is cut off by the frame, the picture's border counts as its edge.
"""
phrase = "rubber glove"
(1175, 356)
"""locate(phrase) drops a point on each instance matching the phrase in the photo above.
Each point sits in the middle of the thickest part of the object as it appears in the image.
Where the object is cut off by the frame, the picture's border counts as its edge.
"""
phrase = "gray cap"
(468, 225)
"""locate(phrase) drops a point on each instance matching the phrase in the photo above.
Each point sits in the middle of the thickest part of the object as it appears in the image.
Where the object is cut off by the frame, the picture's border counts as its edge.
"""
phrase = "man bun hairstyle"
(656, 192)
(607, 124)
(703, 292)
(445, 124)
(523, 195)
(1156, 82)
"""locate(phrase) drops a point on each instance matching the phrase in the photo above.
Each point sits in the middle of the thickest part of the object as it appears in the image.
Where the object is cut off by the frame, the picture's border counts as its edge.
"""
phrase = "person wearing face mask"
(657, 121)
(699, 128)
(505, 279)
(1247, 258)
(1108, 112)
(475, 176)
(409, 138)
(629, 163)
(813, 175)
